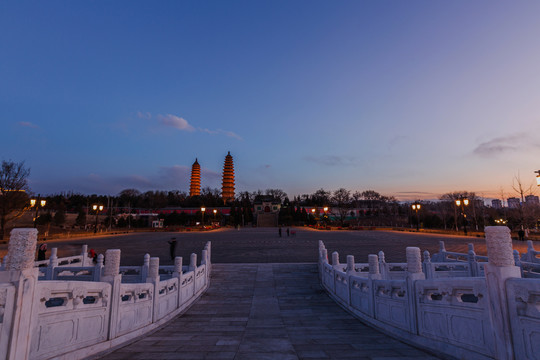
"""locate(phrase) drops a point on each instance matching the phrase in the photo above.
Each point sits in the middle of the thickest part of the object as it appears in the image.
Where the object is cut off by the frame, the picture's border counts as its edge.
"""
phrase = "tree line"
(345, 207)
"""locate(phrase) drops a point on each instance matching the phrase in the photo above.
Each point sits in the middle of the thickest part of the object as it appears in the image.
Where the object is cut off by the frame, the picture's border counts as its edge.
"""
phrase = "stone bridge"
(71, 308)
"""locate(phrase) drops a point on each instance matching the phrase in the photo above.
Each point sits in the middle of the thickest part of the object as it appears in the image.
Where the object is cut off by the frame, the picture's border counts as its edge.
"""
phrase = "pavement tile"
(266, 311)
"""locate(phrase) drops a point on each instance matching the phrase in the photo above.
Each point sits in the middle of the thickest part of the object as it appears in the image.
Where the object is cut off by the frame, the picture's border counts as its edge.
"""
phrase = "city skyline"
(410, 99)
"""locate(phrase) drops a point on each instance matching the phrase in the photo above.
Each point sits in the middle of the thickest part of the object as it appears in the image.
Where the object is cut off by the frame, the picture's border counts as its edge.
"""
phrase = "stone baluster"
(414, 273)
(178, 266)
(473, 264)
(112, 263)
(193, 262)
(373, 261)
(84, 256)
(20, 272)
(414, 261)
(335, 258)
(178, 274)
(442, 252)
(500, 267)
(350, 265)
(153, 270)
(517, 261)
(53, 263)
(428, 266)
(383, 268)
(111, 274)
(324, 256)
(145, 267)
(204, 257)
(530, 255)
(98, 268)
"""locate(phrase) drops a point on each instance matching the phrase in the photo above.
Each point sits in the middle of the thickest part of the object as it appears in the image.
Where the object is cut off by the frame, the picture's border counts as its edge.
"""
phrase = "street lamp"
(97, 209)
(462, 202)
(37, 203)
(203, 209)
(537, 177)
(416, 207)
(215, 213)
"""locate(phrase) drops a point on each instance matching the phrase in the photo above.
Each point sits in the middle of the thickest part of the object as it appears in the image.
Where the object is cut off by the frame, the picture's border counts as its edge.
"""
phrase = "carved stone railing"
(444, 306)
(87, 310)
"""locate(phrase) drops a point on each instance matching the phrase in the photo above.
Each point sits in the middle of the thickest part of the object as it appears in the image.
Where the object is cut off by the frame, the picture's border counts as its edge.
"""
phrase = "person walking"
(287, 232)
(41, 252)
(521, 235)
(279, 231)
(172, 248)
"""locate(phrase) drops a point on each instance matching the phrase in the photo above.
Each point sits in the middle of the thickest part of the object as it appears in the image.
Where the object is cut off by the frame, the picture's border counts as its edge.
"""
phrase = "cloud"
(175, 122)
(332, 160)
(506, 144)
(182, 124)
(27, 124)
(223, 132)
(145, 115)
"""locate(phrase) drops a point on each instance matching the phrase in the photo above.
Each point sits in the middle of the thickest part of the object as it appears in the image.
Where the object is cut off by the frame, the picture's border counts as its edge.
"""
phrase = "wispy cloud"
(144, 115)
(506, 144)
(175, 122)
(182, 124)
(223, 132)
(27, 124)
(333, 160)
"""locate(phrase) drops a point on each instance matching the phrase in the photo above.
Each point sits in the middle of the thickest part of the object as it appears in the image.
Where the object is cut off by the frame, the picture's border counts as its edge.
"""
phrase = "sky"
(408, 98)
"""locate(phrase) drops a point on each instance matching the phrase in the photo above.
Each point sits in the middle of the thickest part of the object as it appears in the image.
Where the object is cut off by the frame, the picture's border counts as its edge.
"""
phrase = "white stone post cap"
(499, 246)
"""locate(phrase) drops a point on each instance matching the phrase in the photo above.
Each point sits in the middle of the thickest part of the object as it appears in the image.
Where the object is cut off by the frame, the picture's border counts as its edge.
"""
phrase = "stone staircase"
(267, 220)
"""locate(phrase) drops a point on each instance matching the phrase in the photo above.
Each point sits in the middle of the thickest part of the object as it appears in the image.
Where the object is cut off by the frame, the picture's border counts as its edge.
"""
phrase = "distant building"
(513, 202)
(195, 185)
(532, 199)
(266, 211)
(227, 187)
(496, 204)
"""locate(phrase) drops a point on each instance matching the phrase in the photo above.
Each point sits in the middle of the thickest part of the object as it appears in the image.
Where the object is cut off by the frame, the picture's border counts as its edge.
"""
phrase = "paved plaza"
(263, 245)
(266, 311)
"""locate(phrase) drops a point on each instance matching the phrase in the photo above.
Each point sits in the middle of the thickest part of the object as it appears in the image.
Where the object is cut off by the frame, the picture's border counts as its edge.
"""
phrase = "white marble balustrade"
(83, 309)
(458, 305)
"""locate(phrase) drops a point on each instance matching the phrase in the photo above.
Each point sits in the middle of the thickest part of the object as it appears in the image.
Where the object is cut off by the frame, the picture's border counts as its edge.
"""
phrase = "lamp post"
(97, 209)
(462, 202)
(416, 207)
(37, 203)
(537, 177)
(215, 213)
(203, 209)
(325, 209)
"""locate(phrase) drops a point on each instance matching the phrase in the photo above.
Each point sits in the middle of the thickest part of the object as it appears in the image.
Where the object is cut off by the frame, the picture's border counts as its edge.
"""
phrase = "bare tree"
(342, 200)
(13, 187)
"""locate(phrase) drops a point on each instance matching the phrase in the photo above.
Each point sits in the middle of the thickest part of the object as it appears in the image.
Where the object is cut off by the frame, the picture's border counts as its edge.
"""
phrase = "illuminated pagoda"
(195, 186)
(227, 188)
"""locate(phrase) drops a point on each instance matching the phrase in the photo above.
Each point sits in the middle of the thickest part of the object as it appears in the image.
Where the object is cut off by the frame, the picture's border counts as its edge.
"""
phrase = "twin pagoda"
(227, 183)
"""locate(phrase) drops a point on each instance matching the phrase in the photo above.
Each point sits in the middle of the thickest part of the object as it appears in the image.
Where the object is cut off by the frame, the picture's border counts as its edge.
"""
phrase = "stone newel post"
(153, 271)
(193, 262)
(21, 249)
(350, 265)
(178, 265)
(324, 255)
(335, 258)
(414, 273)
(499, 268)
(373, 261)
(112, 262)
(20, 271)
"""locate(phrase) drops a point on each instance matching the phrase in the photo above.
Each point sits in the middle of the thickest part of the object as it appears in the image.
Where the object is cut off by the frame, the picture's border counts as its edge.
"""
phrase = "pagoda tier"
(195, 185)
(227, 188)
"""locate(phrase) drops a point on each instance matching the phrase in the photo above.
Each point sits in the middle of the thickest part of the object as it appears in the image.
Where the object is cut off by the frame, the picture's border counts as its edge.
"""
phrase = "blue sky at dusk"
(408, 98)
